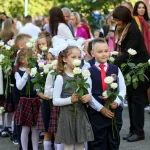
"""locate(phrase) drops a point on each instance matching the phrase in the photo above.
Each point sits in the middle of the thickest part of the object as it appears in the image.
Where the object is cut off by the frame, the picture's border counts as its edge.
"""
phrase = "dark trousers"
(136, 113)
(104, 139)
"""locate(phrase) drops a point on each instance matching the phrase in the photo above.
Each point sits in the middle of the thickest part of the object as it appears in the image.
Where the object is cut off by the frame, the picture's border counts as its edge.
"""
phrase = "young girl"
(101, 121)
(44, 40)
(70, 131)
(28, 108)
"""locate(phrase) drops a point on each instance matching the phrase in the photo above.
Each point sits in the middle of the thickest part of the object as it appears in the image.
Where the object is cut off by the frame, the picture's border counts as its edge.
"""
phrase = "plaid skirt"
(53, 119)
(40, 124)
(27, 111)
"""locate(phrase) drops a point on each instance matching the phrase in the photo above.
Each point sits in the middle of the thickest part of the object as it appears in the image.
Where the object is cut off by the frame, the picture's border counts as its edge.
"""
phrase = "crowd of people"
(60, 116)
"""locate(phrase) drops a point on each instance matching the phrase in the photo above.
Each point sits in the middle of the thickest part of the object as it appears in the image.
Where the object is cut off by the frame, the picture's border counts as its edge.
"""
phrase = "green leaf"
(67, 86)
(120, 97)
(80, 92)
(37, 86)
(131, 64)
(87, 85)
(141, 77)
(135, 85)
(123, 65)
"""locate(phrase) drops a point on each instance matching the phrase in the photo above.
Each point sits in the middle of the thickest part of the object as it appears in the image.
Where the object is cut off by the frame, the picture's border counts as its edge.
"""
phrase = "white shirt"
(58, 101)
(49, 85)
(31, 30)
(18, 25)
(63, 30)
(121, 84)
(21, 81)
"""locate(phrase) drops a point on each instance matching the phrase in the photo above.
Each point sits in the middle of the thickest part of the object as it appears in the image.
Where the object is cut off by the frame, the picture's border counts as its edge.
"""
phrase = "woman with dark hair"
(128, 36)
(140, 9)
(58, 25)
(141, 16)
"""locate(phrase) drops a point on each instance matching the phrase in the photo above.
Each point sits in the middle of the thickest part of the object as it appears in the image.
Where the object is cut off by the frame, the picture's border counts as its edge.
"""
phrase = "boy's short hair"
(21, 38)
(98, 40)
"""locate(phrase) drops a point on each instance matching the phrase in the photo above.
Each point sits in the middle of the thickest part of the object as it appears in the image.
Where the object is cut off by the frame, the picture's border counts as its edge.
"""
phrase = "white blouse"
(49, 84)
(58, 101)
(63, 30)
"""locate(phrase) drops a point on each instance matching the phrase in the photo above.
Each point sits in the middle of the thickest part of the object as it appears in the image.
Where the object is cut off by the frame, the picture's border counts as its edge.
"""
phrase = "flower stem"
(75, 111)
(7, 82)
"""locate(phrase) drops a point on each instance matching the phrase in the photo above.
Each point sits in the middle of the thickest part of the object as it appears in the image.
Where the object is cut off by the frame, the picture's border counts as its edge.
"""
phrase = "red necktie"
(103, 76)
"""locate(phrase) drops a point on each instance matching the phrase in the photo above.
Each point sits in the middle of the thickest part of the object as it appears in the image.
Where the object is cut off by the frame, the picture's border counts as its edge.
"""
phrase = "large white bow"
(60, 43)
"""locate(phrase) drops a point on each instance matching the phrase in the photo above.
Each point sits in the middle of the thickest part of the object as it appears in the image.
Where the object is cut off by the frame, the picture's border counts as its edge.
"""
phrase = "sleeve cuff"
(118, 101)
(25, 76)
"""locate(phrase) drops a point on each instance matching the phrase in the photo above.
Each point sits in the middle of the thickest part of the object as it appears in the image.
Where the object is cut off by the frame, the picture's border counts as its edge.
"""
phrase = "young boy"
(102, 121)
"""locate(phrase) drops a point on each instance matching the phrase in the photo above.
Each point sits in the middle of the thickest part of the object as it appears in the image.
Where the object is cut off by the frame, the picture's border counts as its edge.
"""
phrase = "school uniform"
(28, 108)
(102, 126)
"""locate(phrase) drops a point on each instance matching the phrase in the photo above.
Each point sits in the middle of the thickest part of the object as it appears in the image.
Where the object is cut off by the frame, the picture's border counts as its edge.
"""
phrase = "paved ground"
(5, 143)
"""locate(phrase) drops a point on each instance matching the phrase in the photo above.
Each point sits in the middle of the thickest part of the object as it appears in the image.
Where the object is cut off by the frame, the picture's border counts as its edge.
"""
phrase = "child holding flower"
(102, 121)
(28, 108)
(72, 131)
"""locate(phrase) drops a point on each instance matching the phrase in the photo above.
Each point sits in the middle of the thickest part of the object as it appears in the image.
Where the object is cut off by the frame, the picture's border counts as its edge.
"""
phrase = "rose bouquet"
(32, 63)
(6, 60)
(109, 97)
(136, 73)
(79, 82)
(39, 78)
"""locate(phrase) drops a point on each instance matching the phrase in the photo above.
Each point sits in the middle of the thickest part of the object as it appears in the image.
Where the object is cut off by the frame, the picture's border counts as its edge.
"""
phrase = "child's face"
(42, 43)
(96, 34)
(22, 43)
(50, 58)
(101, 52)
(74, 54)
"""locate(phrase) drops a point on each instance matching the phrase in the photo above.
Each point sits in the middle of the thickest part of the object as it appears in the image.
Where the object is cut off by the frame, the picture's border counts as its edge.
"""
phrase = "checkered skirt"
(27, 111)
(53, 119)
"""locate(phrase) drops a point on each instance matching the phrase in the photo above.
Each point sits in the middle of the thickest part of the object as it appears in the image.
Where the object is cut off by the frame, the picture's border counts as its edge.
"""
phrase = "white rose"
(32, 40)
(86, 73)
(33, 71)
(7, 47)
(2, 56)
(114, 53)
(1, 43)
(109, 80)
(39, 56)
(132, 51)
(29, 44)
(54, 64)
(76, 62)
(46, 69)
(113, 85)
(104, 94)
(77, 70)
(111, 59)
(149, 61)
(49, 66)
(41, 64)
(44, 48)
(41, 73)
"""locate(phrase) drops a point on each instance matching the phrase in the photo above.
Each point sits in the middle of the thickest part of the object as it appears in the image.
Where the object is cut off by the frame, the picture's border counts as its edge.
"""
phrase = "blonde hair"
(8, 31)
(48, 38)
(77, 16)
(64, 54)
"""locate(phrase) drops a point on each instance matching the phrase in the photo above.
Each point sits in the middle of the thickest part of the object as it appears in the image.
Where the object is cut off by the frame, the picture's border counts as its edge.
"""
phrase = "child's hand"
(86, 98)
(74, 97)
(41, 95)
(107, 113)
(114, 105)
(28, 70)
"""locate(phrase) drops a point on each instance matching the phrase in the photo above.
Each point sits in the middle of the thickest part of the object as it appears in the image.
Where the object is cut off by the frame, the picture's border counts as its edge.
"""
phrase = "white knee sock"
(85, 145)
(24, 137)
(35, 138)
(79, 146)
(12, 126)
(60, 146)
(68, 147)
(47, 145)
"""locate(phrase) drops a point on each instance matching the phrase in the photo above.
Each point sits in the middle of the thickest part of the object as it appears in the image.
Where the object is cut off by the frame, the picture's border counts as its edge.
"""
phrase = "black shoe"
(127, 136)
(135, 138)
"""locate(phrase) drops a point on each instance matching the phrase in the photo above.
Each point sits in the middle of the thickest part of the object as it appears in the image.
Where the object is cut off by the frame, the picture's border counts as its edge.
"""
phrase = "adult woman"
(128, 36)
(57, 24)
(78, 29)
(8, 31)
(141, 17)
